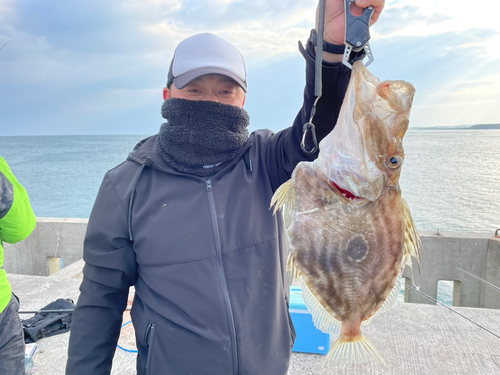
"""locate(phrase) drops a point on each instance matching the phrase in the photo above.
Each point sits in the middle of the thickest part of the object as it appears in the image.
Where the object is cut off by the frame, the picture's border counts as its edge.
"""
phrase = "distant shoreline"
(460, 127)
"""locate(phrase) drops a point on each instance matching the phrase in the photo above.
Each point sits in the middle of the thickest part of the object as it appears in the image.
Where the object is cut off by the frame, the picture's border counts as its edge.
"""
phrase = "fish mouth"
(346, 193)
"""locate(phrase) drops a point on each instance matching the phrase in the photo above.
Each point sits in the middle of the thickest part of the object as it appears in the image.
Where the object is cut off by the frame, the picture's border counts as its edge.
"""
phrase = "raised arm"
(284, 151)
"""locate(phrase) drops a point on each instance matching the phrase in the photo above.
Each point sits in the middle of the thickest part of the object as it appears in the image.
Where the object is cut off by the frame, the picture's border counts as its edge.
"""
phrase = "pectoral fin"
(285, 196)
(280, 196)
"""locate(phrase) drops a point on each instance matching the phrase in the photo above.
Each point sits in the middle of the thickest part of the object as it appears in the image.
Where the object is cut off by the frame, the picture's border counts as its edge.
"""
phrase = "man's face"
(211, 87)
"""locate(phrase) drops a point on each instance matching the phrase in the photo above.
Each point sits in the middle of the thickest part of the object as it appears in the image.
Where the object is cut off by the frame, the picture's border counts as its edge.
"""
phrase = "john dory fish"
(350, 232)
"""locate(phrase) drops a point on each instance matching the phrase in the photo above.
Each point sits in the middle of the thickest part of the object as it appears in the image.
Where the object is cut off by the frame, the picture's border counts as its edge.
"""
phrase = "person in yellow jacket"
(17, 221)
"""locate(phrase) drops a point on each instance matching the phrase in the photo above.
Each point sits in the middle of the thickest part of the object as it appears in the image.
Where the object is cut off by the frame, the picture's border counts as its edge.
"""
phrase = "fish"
(350, 233)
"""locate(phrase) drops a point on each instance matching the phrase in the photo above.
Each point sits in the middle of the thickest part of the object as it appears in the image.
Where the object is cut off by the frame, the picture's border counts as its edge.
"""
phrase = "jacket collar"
(146, 152)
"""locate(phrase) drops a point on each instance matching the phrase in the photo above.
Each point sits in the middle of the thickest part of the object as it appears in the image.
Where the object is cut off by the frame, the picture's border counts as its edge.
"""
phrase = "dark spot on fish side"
(356, 250)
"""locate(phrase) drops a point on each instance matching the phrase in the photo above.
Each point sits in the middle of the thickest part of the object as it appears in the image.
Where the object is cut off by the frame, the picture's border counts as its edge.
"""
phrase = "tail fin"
(353, 351)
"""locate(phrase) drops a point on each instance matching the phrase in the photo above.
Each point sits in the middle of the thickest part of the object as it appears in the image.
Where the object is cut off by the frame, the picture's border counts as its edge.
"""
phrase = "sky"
(99, 67)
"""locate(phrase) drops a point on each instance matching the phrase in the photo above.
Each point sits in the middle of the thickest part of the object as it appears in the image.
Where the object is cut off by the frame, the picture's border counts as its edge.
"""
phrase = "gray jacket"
(206, 256)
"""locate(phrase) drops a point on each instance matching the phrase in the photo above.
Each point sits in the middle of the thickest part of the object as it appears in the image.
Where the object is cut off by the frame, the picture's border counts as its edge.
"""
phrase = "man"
(17, 221)
(186, 220)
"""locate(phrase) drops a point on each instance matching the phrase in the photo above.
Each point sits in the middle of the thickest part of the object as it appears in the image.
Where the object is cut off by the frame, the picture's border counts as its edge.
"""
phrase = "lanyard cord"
(319, 52)
(309, 126)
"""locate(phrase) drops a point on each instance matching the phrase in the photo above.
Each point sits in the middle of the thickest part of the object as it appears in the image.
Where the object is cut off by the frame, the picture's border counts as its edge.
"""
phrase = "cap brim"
(182, 80)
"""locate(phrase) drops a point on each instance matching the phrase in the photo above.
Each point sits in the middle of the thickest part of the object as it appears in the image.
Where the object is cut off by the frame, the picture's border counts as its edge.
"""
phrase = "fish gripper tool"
(357, 33)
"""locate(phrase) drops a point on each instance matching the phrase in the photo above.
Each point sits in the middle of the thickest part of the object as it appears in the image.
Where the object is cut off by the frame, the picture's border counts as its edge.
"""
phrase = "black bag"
(49, 324)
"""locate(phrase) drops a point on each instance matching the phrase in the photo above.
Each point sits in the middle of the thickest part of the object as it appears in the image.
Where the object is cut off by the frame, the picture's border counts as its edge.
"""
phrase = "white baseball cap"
(203, 54)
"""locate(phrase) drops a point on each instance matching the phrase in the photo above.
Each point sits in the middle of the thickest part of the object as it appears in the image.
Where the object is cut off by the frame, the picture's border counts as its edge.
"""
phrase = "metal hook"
(307, 126)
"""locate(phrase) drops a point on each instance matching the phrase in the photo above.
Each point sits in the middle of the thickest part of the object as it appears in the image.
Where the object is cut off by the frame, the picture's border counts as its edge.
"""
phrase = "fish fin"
(412, 243)
(293, 267)
(389, 301)
(352, 351)
(323, 320)
(284, 196)
(279, 197)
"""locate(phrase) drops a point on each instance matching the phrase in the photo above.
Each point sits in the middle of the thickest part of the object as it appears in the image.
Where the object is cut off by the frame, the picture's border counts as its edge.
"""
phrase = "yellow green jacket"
(17, 221)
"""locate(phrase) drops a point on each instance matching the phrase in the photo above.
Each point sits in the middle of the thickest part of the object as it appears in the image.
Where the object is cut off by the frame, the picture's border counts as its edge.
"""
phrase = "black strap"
(327, 47)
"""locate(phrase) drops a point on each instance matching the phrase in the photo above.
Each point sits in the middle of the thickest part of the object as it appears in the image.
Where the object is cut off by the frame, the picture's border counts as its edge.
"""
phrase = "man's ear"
(166, 93)
(244, 99)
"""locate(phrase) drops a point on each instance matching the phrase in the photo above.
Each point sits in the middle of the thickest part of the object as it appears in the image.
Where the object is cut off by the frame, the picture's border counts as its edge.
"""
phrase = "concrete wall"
(52, 238)
(441, 256)
(491, 296)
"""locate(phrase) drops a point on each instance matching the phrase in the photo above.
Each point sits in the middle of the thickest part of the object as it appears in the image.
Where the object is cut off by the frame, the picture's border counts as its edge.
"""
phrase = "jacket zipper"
(293, 333)
(220, 269)
(150, 333)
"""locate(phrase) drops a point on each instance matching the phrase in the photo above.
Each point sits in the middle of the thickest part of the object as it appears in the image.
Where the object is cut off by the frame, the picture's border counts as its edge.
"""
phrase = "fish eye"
(395, 161)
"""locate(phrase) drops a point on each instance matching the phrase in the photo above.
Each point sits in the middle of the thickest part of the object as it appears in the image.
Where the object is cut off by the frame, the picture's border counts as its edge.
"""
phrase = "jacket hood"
(146, 150)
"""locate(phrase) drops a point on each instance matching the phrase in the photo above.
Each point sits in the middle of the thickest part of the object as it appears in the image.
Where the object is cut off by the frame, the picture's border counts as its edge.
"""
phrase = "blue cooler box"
(309, 339)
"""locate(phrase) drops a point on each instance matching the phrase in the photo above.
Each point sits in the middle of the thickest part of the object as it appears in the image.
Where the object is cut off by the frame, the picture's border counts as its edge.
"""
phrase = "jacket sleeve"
(110, 269)
(284, 151)
(17, 219)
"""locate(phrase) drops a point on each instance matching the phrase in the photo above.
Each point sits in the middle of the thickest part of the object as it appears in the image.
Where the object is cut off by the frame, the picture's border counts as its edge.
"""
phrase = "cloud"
(409, 20)
(260, 29)
(71, 42)
(104, 63)
(456, 74)
(118, 99)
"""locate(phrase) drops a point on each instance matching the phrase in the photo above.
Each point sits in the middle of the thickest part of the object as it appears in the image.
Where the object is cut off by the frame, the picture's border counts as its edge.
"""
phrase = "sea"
(450, 178)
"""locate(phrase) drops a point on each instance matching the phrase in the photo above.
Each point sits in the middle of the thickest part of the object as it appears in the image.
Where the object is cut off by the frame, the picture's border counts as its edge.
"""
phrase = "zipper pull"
(149, 332)
(209, 185)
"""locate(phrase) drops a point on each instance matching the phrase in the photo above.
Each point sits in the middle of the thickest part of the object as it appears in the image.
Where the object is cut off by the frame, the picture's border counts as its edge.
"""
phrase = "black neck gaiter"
(200, 137)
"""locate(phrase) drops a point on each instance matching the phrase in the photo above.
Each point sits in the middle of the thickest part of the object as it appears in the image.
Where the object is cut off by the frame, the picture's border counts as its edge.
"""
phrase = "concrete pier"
(414, 339)
(56, 243)
(443, 256)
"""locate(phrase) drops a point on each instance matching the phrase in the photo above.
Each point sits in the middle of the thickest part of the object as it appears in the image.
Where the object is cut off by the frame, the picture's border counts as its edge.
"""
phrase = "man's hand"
(335, 21)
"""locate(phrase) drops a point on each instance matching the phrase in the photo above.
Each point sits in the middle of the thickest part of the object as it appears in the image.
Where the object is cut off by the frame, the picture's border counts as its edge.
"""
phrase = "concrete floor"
(413, 339)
